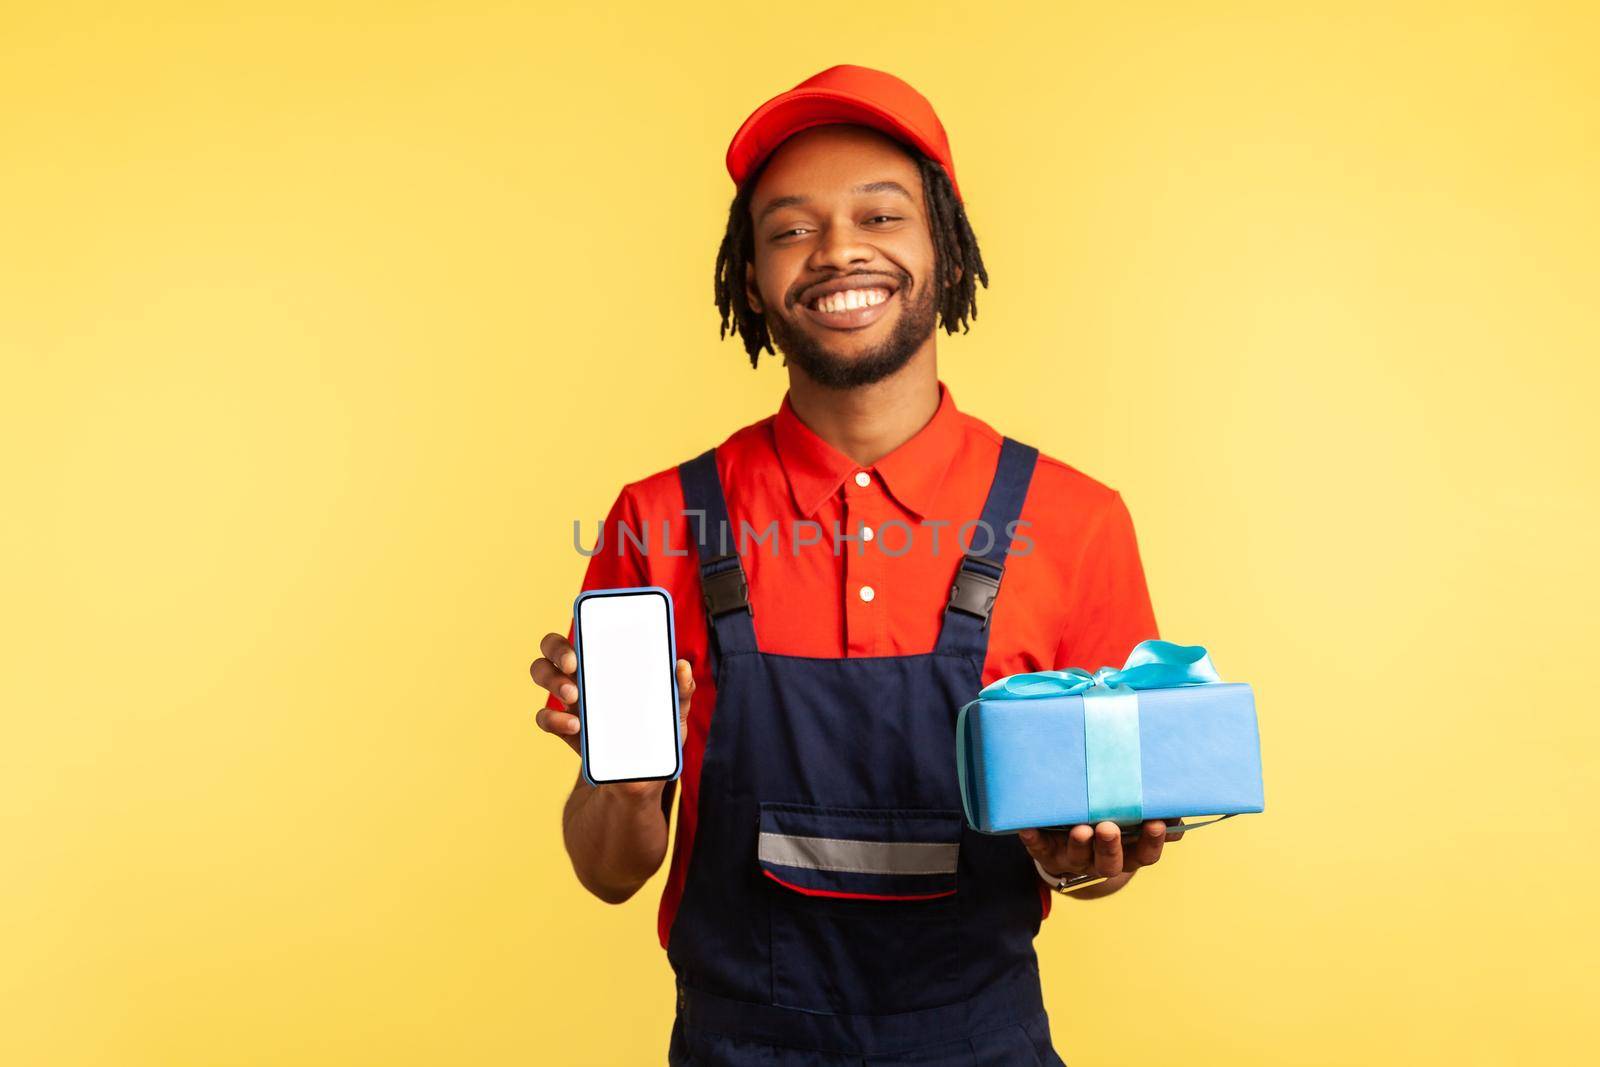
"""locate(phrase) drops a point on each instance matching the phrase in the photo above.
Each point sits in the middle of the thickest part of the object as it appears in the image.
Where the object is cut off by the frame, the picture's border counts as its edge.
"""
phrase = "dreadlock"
(954, 245)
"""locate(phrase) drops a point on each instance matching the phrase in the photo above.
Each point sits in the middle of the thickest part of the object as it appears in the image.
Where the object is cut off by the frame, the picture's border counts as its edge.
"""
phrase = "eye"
(802, 229)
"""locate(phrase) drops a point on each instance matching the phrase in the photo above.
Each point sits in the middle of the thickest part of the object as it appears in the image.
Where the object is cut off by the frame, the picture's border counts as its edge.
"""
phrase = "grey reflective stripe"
(859, 857)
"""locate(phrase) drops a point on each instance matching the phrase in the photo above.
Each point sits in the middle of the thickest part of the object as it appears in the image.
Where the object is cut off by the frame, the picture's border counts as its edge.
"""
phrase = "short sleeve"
(1110, 609)
(618, 561)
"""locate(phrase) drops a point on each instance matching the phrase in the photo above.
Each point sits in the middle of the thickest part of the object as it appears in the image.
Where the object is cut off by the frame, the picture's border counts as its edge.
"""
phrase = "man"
(825, 902)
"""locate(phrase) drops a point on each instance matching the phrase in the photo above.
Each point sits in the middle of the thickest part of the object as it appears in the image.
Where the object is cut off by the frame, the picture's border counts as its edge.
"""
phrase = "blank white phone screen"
(628, 710)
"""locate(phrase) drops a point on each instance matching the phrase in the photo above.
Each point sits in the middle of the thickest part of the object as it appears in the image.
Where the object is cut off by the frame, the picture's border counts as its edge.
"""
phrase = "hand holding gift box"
(1162, 738)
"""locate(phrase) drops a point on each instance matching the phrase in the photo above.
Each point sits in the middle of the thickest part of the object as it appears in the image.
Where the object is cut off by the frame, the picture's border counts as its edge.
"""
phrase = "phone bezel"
(672, 658)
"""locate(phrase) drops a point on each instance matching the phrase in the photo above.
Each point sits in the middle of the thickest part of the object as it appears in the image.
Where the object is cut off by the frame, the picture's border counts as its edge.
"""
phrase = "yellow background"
(321, 326)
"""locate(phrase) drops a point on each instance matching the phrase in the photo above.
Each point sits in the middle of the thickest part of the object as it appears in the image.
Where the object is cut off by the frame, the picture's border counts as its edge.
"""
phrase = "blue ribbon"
(1111, 715)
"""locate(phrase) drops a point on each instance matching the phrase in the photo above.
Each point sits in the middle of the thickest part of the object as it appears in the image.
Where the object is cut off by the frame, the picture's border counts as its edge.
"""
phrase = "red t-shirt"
(1074, 592)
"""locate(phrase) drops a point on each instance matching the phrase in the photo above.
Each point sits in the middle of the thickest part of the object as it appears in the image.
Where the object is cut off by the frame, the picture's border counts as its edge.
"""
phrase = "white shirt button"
(866, 533)
(867, 592)
(863, 479)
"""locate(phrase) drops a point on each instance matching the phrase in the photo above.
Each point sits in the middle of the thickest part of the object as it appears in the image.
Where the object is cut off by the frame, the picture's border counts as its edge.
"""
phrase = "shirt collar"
(912, 473)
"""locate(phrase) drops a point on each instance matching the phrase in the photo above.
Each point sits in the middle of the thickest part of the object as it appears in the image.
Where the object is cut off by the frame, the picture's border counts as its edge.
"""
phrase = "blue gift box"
(1162, 737)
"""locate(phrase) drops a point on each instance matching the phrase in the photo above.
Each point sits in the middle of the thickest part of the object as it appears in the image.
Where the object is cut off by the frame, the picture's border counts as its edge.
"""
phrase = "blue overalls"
(837, 909)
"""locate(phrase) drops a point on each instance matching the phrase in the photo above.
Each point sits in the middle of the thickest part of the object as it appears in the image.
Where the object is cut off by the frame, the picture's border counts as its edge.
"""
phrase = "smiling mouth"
(844, 311)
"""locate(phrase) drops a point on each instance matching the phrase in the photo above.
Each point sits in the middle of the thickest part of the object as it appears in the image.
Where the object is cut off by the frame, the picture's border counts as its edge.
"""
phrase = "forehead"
(834, 162)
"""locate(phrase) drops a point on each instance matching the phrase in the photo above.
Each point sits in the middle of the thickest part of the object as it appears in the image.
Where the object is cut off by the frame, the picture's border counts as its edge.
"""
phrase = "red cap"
(844, 93)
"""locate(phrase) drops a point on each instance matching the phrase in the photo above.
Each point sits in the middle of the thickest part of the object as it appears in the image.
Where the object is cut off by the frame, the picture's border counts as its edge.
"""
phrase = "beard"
(810, 353)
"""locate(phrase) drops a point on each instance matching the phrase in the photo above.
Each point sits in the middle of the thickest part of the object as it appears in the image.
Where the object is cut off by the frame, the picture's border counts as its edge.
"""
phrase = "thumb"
(685, 689)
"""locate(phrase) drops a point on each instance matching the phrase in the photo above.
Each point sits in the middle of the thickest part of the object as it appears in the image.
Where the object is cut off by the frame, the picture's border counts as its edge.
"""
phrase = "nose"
(840, 247)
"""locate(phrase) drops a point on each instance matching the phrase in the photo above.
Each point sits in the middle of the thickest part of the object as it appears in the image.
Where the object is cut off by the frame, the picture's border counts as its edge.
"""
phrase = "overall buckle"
(725, 590)
(974, 590)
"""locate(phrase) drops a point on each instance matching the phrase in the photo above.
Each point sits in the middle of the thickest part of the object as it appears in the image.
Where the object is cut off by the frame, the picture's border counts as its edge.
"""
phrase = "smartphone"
(627, 685)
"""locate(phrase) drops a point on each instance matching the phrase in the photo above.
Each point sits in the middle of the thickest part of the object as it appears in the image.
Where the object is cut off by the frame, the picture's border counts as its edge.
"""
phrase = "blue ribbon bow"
(1151, 665)
(1111, 715)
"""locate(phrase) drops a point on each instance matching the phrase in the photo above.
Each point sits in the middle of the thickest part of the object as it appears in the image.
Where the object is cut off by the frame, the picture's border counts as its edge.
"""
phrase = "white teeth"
(851, 299)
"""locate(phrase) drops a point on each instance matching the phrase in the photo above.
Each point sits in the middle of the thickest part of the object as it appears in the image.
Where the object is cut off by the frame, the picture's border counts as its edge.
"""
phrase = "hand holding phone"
(629, 731)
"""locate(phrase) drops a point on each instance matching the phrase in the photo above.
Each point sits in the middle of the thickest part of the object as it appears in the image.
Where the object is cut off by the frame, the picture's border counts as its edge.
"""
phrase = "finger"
(685, 687)
(1038, 844)
(552, 721)
(1080, 848)
(561, 685)
(563, 724)
(1048, 847)
(1107, 848)
(558, 650)
(1148, 849)
(1174, 829)
(1055, 851)
(685, 695)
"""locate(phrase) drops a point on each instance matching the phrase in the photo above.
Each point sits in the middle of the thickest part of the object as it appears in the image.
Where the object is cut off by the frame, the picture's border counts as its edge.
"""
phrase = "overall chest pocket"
(865, 914)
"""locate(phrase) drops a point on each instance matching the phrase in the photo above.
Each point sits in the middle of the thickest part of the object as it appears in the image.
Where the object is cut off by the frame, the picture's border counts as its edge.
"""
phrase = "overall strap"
(723, 587)
(977, 580)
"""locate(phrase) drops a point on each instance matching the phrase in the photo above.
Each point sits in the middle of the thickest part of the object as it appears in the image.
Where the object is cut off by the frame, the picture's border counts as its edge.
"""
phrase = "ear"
(752, 296)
